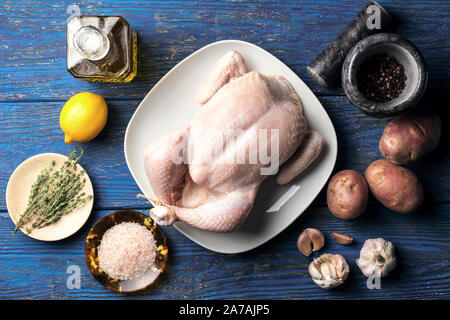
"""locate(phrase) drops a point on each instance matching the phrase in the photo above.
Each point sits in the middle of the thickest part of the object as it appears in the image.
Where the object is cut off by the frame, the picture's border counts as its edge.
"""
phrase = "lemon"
(83, 117)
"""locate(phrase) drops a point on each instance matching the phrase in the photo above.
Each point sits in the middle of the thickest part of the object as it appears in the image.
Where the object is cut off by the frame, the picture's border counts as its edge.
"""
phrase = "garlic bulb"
(329, 270)
(377, 258)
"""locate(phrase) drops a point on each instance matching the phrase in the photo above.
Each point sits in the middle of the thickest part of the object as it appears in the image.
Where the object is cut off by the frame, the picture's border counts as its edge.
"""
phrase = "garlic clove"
(310, 240)
(314, 270)
(304, 244)
(329, 270)
(342, 238)
(377, 257)
(341, 267)
(317, 238)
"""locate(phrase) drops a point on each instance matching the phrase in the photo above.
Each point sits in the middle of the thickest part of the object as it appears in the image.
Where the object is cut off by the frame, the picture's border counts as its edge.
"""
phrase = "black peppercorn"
(381, 78)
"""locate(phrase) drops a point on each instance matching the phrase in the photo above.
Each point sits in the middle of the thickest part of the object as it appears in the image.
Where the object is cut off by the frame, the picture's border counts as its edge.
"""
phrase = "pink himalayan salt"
(126, 251)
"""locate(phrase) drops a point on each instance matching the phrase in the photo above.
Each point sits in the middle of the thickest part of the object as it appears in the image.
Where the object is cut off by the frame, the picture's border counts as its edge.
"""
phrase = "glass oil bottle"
(101, 48)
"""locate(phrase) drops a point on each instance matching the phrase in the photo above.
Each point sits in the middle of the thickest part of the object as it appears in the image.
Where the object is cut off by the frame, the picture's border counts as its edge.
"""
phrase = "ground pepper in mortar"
(381, 78)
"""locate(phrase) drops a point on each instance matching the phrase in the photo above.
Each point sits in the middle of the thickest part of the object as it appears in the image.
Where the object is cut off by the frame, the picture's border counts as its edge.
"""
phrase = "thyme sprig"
(54, 193)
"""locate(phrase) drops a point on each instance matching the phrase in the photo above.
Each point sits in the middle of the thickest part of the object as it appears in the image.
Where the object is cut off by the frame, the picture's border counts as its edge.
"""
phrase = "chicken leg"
(164, 162)
(222, 215)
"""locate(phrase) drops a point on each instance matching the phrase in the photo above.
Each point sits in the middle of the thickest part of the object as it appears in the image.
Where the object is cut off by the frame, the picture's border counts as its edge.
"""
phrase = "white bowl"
(171, 104)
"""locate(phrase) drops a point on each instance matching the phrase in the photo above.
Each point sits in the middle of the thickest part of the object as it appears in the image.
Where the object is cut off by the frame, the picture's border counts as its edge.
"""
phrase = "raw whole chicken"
(249, 126)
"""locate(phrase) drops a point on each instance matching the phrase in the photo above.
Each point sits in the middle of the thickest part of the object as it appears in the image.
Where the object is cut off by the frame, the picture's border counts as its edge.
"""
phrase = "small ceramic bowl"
(18, 191)
(137, 285)
(405, 53)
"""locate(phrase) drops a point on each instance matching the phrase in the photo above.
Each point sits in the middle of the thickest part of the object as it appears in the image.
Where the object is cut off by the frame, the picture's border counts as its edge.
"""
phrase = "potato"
(410, 136)
(347, 194)
(395, 187)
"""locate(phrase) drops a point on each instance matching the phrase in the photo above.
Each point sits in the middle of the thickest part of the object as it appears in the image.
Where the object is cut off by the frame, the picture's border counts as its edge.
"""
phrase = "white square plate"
(171, 104)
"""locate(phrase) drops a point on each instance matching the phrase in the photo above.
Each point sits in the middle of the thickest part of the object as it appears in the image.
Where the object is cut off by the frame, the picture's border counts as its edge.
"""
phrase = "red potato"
(410, 136)
(395, 187)
(347, 194)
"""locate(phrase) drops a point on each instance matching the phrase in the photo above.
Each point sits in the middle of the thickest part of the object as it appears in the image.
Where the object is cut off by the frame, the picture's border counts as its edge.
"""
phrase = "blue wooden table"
(35, 85)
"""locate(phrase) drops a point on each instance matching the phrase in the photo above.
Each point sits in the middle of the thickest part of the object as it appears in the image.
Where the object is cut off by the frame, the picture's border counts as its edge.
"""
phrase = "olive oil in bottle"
(101, 48)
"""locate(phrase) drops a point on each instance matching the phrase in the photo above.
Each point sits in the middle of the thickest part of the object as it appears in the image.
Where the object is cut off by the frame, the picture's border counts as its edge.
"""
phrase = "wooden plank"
(32, 35)
(32, 72)
(31, 128)
(276, 270)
